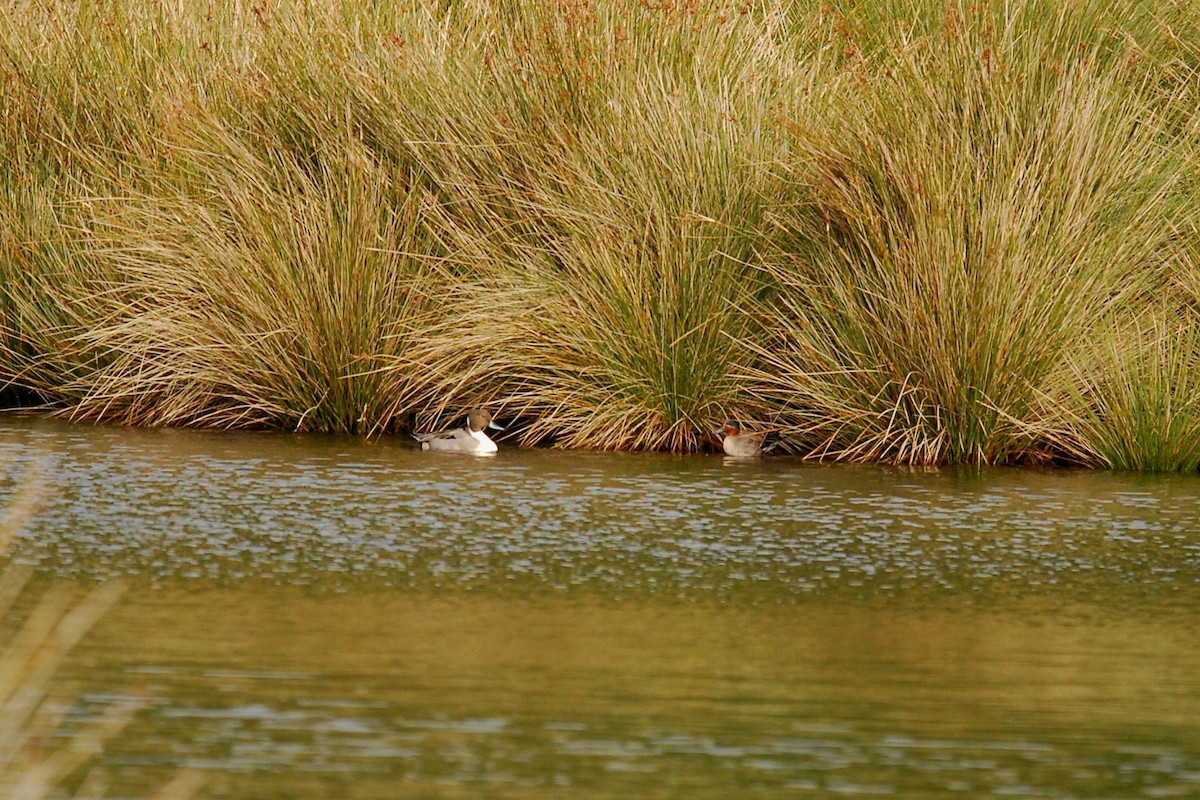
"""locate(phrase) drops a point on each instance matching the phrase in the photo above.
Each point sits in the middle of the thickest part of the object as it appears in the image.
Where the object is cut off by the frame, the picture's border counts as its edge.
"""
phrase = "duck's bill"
(495, 427)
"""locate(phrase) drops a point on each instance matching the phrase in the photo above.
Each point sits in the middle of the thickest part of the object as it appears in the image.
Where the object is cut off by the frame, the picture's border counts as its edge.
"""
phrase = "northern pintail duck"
(739, 444)
(470, 439)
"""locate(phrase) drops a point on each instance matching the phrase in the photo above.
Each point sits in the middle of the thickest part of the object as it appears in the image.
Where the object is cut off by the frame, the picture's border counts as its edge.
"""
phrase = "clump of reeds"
(605, 304)
(230, 270)
(890, 229)
(1136, 395)
(975, 204)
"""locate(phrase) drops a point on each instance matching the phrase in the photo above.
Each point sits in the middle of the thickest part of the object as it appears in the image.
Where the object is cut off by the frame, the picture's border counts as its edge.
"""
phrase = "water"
(321, 617)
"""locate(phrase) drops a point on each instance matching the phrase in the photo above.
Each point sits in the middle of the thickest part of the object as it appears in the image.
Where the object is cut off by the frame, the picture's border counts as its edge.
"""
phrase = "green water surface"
(320, 617)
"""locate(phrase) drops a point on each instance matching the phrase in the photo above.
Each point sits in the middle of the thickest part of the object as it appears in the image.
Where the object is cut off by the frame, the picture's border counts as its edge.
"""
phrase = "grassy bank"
(905, 231)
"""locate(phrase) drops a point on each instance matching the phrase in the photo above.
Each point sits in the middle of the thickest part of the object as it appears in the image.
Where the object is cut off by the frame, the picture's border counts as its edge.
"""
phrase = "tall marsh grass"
(971, 232)
(890, 230)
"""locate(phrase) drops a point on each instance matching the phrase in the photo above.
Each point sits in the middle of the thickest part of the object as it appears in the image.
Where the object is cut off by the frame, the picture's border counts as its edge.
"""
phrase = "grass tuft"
(968, 211)
(891, 231)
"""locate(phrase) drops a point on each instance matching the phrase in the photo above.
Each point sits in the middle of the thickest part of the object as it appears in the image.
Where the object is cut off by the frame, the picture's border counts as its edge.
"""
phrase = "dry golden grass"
(889, 229)
(962, 239)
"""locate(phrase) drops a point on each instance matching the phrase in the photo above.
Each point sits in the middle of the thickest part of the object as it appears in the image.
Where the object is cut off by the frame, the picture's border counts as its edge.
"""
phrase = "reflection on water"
(323, 617)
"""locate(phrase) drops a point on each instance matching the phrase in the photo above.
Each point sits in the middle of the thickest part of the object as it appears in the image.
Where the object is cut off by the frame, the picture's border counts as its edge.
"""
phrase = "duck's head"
(478, 419)
(731, 428)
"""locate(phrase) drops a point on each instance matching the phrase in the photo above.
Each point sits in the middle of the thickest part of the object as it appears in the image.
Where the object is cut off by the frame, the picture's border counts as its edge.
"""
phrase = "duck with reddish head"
(742, 444)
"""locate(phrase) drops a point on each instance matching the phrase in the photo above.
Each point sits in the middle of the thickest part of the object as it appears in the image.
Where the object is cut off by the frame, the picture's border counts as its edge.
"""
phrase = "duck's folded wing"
(457, 433)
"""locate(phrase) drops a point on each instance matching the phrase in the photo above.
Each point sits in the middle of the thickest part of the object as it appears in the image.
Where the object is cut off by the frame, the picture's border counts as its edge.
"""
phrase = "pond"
(323, 617)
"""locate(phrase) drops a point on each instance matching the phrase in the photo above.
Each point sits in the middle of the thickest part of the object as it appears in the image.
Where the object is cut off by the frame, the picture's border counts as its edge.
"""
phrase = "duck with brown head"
(470, 439)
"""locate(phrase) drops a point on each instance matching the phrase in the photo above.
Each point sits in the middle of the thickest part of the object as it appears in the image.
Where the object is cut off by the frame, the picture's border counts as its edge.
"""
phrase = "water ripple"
(297, 509)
